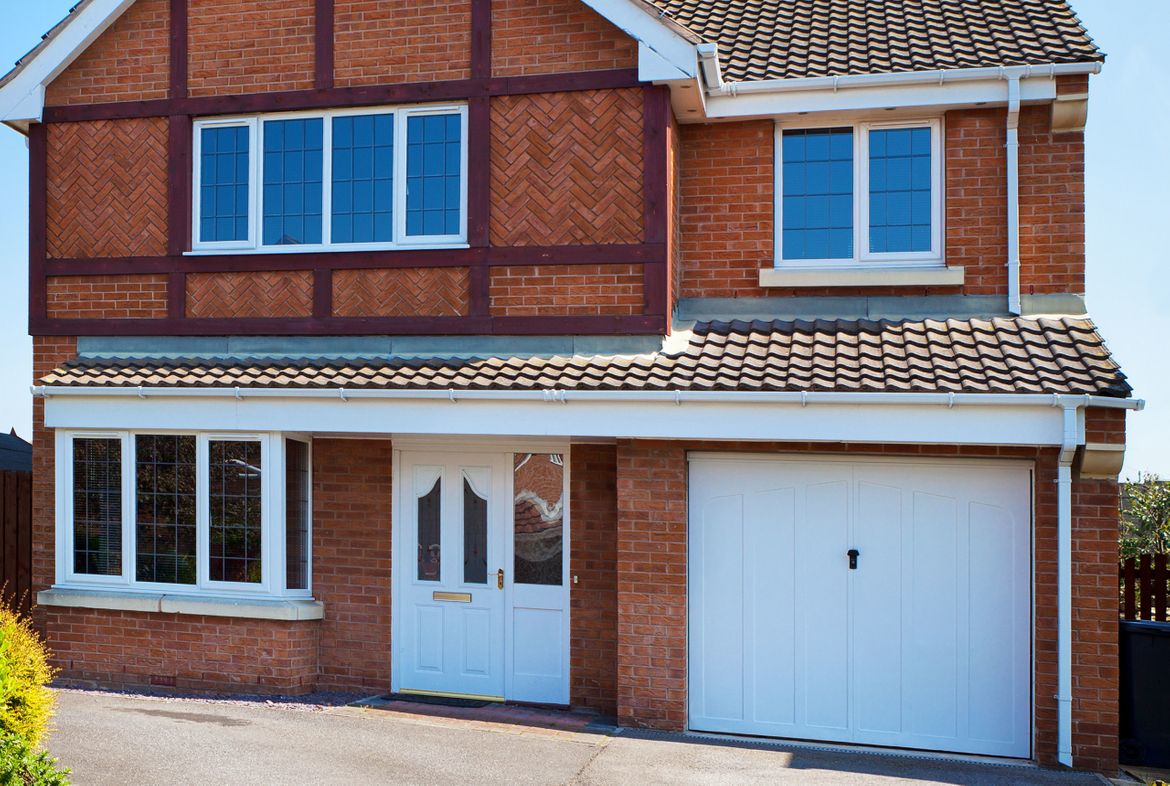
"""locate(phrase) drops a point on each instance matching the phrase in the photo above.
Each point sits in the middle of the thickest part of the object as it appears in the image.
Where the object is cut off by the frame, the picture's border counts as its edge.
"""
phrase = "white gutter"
(940, 77)
(1012, 146)
(568, 396)
(1068, 451)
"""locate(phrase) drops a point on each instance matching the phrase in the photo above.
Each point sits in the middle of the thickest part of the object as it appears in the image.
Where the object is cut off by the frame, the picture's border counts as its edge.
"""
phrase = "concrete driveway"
(130, 739)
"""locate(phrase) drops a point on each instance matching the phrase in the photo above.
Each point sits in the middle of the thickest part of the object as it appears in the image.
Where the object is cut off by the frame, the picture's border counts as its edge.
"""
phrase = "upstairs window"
(345, 180)
(862, 195)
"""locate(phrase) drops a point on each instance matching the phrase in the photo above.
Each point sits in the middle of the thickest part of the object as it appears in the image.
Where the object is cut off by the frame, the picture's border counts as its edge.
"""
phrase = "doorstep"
(515, 718)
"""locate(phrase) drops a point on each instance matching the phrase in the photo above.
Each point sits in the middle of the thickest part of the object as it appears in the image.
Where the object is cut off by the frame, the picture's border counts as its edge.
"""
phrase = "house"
(720, 365)
(15, 453)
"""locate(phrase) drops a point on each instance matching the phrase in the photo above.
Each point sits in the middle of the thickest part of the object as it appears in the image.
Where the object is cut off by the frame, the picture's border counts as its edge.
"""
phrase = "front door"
(454, 519)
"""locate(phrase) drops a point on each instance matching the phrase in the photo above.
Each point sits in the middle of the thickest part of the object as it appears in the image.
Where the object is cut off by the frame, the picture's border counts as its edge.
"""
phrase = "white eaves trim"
(923, 418)
(22, 99)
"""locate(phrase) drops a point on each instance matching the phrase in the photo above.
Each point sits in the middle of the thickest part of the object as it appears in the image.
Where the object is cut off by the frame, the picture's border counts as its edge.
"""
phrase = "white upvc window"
(859, 195)
(367, 179)
(216, 514)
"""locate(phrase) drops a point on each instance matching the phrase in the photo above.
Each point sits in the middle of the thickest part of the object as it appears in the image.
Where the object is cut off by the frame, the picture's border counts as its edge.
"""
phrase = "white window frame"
(273, 567)
(862, 258)
(255, 124)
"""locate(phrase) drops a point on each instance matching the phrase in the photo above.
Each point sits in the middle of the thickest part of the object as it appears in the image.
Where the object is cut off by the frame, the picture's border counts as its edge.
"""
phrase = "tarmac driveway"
(131, 739)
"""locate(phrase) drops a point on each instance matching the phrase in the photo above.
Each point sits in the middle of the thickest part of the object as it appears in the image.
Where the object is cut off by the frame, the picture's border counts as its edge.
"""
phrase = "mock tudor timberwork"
(603, 206)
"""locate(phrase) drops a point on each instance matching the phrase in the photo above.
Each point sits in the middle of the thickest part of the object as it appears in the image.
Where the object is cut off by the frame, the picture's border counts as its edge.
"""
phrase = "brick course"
(351, 561)
(107, 297)
(555, 36)
(242, 46)
(593, 638)
(130, 61)
(574, 290)
(392, 41)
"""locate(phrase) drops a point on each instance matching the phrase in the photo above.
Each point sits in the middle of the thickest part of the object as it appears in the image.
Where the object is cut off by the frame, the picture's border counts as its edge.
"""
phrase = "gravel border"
(318, 701)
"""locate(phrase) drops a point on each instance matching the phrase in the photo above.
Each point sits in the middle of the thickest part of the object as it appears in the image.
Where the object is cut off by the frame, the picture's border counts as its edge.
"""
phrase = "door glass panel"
(428, 533)
(474, 535)
(538, 515)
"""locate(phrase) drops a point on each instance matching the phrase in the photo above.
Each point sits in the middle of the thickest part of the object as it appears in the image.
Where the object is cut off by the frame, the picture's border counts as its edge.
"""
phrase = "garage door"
(920, 639)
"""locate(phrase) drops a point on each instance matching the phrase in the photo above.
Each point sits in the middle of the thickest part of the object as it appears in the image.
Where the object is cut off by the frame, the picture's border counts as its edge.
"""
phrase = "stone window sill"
(862, 277)
(288, 609)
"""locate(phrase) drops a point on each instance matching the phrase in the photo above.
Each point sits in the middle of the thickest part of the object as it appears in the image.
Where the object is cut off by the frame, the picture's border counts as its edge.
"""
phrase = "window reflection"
(538, 517)
(428, 533)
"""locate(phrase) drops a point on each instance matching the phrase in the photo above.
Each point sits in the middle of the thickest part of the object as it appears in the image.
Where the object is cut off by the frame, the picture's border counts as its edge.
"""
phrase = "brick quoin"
(128, 62)
(554, 37)
(593, 635)
(391, 41)
(351, 560)
(108, 297)
(242, 46)
(652, 565)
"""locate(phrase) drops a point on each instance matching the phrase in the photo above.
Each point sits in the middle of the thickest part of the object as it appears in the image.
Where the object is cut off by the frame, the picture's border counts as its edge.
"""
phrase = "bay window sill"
(862, 277)
(288, 609)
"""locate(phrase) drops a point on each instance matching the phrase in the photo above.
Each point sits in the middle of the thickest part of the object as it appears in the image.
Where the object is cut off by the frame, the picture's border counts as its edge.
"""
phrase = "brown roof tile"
(782, 39)
(1001, 355)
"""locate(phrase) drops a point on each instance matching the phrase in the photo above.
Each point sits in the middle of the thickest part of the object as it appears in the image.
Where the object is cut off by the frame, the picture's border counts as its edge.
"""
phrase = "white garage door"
(925, 643)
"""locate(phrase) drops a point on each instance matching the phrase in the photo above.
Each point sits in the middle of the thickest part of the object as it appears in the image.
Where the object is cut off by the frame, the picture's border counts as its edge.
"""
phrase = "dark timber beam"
(323, 45)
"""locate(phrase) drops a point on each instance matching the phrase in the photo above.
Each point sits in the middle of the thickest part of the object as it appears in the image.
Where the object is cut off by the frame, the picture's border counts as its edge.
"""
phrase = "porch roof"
(1054, 355)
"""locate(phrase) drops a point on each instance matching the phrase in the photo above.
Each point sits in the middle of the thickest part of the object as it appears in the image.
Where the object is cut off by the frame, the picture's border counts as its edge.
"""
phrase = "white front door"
(481, 576)
(450, 538)
(878, 602)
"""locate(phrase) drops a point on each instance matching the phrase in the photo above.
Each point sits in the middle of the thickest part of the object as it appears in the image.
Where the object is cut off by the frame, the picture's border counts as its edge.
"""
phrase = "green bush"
(23, 765)
(26, 703)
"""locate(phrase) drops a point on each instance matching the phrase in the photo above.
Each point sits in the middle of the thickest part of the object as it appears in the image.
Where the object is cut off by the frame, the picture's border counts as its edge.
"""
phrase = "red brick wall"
(554, 36)
(392, 41)
(267, 294)
(107, 188)
(351, 560)
(567, 168)
(652, 584)
(727, 218)
(558, 290)
(108, 297)
(130, 61)
(593, 639)
(186, 652)
(244, 46)
(403, 292)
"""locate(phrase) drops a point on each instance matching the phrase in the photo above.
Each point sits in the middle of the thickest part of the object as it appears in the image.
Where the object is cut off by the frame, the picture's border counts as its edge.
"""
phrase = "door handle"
(853, 554)
(500, 578)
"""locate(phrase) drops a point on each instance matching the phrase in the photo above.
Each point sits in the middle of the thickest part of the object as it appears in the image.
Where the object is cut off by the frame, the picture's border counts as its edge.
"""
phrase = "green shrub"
(26, 703)
(23, 765)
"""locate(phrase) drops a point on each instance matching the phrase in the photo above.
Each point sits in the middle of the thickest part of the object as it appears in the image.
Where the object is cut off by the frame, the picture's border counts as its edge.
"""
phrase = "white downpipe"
(1012, 146)
(1068, 450)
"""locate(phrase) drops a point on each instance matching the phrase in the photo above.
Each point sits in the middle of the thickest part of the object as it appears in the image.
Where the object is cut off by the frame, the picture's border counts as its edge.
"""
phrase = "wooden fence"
(16, 538)
(1144, 588)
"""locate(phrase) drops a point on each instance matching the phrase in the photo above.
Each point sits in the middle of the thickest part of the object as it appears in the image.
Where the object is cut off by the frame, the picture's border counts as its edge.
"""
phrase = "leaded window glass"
(899, 190)
(433, 174)
(293, 154)
(818, 193)
(165, 538)
(97, 507)
(234, 497)
(296, 514)
(223, 184)
(363, 178)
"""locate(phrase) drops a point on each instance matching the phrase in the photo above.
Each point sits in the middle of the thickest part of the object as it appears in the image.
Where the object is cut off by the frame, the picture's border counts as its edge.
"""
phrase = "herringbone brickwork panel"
(381, 42)
(408, 292)
(567, 168)
(566, 290)
(555, 36)
(246, 46)
(107, 297)
(107, 189)
(244, 295)
(129, 62)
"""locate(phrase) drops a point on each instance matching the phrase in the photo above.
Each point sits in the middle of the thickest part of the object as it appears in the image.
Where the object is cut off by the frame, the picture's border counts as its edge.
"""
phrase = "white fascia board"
(657, 34)
(653, 67)
(997, 421)
(23, 99)
(878, 96)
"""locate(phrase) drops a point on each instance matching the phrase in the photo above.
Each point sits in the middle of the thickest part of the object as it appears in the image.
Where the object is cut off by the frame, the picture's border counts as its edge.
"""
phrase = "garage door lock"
(853, 555)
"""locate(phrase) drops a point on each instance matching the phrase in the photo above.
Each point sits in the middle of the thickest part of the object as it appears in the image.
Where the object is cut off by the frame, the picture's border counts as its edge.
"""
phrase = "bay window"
(211, 514)
(860, 195)
(341, 180)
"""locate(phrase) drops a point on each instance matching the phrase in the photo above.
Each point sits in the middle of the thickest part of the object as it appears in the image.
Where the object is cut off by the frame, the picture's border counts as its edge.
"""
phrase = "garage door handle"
(853, 555)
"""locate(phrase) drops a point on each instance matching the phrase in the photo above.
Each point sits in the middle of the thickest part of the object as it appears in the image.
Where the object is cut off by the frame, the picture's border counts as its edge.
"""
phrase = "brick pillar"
(652, 584)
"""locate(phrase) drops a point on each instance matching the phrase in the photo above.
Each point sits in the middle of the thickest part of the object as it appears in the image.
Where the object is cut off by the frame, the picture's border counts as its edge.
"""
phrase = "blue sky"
(1128, 182)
